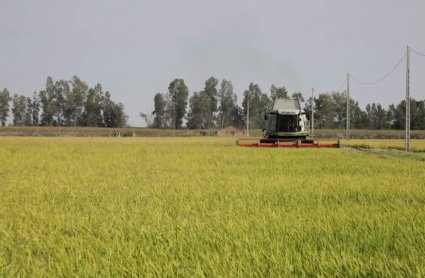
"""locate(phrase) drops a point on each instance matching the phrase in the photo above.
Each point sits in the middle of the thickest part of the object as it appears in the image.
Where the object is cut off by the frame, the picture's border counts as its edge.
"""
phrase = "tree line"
(73, 103)
(216, 107)
(63, 103)
(331, 112)
(213, 107)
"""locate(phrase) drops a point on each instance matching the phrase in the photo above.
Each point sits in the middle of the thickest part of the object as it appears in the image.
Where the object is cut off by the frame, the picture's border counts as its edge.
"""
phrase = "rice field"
(202, 207)
(151, 132)
(396, 144)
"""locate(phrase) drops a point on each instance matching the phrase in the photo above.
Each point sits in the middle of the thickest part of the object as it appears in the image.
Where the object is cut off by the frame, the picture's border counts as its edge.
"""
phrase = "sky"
(136, 48)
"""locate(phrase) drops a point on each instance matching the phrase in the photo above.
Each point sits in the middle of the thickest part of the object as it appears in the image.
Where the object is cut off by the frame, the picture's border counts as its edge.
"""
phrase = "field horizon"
(151, 132)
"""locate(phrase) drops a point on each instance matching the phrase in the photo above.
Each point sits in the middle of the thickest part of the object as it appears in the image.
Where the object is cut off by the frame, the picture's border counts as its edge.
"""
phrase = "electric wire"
(342, 86)
(371, 83)
(307, 92)
(417, 52)
(317, 90)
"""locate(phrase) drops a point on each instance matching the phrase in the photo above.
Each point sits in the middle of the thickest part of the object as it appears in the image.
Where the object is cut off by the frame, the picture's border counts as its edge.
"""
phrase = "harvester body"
(286, 125)
(286, 120)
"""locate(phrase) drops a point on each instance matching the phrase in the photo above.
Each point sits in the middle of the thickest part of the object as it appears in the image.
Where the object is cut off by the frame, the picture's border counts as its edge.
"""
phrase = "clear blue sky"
(136, 48)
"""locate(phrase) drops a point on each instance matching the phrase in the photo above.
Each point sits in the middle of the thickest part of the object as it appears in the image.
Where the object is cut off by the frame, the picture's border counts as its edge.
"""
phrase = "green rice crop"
(203, 207)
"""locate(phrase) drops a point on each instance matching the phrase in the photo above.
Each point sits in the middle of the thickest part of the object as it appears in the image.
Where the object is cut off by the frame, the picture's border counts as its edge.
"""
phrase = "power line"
(366, 83)
(417, 52)
(316, 90)
(342, 85)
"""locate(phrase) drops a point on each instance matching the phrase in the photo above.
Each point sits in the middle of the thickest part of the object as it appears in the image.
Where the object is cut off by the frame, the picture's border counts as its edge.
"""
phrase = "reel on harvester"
(287, 126)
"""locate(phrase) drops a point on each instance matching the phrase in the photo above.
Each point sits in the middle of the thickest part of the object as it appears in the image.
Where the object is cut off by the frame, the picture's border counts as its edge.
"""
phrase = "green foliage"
(35, 109)
(228, 104)
(64, 103)
(4, 106)
(199, 116)
(62, 95)
(178, 95)
(298, 95)
(417, 115)
(29, 112)
(238, 117)
(331, 112)
(76, 101)
(159, 113)
(113, 113)
(147, 207)
(211, 91)
(19, 110)
(92, 115)
(48, 103)
(258, 105)
(278, 92)
(376, 117)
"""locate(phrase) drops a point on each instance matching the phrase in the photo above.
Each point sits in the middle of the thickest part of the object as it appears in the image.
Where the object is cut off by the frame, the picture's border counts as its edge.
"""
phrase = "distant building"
(231, 131)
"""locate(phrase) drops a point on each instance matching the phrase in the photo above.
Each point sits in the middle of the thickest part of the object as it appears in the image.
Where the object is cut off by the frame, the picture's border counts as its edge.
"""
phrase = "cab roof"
(287, 105)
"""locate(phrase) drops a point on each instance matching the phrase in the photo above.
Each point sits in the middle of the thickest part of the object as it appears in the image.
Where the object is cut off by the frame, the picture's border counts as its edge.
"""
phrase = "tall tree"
(113, 114)
(324, 110)
(178, 93)
(299, 95)
(92, 115)
(35, 109)
(108, 109)
(19, 110)
(200, 111)
(63, 102)
(170, 108)
(211, 90)
(48, 103)
(399, 121)
(258, 105)
(358, 118)
(76, 100)
(4, 106)
(278, 92)
(238, 117)
(159, 113)
(417, 114)
(120, 117)
(398, 115)
(339, 102)
(227, 101)
(28, 114)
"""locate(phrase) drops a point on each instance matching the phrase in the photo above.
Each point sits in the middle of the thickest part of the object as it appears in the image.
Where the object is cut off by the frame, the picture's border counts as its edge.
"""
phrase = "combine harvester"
(287, 126)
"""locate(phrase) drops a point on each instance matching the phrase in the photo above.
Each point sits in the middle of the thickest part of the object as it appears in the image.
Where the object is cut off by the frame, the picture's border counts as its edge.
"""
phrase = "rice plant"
(202, 207)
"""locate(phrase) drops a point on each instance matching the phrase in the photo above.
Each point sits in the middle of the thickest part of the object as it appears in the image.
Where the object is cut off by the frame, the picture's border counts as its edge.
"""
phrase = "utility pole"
(348, 107)
(312, 112)
(407, 143)
(247, 119)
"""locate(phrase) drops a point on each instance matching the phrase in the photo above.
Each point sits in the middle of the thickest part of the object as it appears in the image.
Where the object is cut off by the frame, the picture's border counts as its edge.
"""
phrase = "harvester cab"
(286, 125)
(286, 119)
